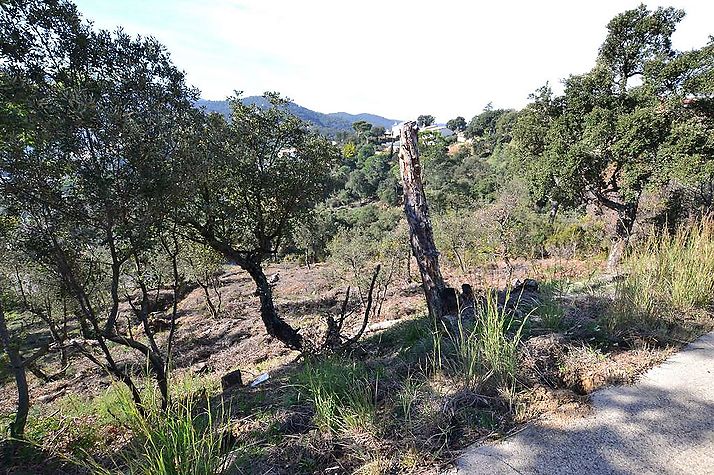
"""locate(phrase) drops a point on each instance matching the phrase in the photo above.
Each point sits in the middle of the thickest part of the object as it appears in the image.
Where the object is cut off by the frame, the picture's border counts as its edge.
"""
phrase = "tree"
(377, 131)
(246, 186)
(349, 150)
(17, 427)
(425, 120)
(489, 129)
(93, 123)
(607, 139)
(362, 129)
(457, 125)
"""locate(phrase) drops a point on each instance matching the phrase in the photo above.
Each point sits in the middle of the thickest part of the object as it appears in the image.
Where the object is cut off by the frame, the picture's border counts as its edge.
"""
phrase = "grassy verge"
(667, 279)
(108, 433)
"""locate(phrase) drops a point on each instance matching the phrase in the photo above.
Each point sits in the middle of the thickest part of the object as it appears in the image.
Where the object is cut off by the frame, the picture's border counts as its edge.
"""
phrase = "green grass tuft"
(486, 351)
(341, 391)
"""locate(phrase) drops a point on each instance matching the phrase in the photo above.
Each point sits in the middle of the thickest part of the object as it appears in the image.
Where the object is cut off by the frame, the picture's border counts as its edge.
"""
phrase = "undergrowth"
(485, 351)
(109, 434)
(185, 439)
(666, 276)
(342, 392)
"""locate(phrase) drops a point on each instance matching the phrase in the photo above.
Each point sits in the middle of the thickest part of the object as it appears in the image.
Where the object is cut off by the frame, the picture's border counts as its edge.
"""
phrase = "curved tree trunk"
(276, 326)
(17, 427)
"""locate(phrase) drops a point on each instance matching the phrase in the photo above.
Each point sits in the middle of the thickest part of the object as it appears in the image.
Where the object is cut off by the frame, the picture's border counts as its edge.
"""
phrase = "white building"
(441, 128)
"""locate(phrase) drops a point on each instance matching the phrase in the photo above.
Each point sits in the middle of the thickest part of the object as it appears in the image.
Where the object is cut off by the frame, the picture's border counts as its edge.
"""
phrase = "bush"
(358, 250)
(576, 237)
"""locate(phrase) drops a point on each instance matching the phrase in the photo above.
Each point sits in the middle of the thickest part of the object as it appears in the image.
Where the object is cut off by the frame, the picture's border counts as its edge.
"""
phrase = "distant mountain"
(376, 120)
(328, 124)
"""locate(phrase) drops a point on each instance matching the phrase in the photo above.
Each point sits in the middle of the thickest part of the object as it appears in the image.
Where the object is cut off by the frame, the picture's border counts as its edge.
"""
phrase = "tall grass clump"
(549, 313)
(341, 392)
(187, 438)
(667, 275)
(487, 350)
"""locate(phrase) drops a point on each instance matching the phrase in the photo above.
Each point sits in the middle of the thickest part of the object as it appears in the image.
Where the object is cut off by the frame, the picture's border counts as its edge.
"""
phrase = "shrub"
(576, 237)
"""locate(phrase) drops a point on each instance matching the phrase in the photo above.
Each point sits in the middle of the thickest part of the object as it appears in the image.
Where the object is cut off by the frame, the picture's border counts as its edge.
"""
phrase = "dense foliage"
(639, 119)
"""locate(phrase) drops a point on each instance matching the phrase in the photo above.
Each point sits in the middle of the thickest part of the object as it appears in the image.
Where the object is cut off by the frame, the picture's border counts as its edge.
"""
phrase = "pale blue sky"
(397, 58)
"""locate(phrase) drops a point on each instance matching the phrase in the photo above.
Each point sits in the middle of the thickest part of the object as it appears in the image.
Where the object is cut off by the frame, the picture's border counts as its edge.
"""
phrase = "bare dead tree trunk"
(335, 341)
(417, 212)
(17, 427)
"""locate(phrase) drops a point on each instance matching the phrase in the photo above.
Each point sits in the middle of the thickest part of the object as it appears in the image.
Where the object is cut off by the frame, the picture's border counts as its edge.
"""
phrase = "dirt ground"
(561, 367)
(237, 338)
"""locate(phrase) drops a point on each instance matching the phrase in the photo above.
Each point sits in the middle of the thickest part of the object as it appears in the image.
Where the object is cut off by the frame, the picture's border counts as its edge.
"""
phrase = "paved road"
(662, 425)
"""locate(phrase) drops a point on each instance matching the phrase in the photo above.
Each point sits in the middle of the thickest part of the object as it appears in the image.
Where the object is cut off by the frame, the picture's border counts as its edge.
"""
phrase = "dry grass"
(666, 278)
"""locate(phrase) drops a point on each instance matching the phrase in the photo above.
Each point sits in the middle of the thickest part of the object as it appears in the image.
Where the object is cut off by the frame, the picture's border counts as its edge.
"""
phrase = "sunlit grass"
(342, 393)
(485, 351)
(668, 274)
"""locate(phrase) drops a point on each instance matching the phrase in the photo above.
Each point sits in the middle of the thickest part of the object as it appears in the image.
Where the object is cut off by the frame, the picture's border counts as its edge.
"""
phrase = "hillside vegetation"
(188, 290)
(330, 124)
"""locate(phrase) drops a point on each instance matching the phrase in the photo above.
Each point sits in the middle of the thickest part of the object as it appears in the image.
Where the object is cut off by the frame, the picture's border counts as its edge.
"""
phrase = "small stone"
(234, 378)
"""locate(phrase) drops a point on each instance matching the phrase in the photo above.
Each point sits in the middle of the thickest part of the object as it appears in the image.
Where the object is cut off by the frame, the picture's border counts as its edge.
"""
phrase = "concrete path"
(662, 425)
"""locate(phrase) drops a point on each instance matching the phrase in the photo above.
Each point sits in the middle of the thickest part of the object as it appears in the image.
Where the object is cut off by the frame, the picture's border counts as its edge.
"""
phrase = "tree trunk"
(17, 427)
(621, 236)
(276, 326)
(417, 212)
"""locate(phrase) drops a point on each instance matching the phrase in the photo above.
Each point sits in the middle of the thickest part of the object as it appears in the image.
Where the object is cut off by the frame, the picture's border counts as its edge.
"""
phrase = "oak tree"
(248, 182)
(622, 127)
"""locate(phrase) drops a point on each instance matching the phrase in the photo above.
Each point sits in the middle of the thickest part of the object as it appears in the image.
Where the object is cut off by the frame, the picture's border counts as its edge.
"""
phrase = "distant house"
(291, 152)
(441, 128)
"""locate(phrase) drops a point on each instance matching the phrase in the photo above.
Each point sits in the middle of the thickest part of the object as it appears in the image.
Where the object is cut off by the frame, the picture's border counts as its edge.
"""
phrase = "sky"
(395, 58)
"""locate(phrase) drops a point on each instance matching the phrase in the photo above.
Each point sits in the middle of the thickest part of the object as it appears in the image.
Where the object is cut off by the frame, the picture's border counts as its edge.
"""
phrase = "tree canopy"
(608, 137)
(457, 125)
(93, 124)
(425, 120)
(248, 182)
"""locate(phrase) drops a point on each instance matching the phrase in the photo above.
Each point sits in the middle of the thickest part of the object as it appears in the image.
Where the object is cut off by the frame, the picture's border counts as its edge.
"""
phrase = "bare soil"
(558, 368)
